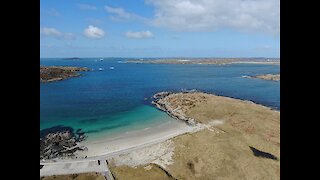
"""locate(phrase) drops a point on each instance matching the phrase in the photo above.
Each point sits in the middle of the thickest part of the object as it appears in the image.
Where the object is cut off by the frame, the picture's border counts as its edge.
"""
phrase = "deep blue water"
(115, 98)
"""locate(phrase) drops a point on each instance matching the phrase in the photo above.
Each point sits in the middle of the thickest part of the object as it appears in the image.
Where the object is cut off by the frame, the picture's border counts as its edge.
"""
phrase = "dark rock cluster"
(60, 141)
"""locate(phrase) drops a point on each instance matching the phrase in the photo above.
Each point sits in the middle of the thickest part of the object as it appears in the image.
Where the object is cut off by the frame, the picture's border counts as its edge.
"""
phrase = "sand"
(128, 141)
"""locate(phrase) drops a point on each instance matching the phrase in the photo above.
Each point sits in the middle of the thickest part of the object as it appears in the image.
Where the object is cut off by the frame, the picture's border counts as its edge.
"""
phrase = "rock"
(162, 103)
(60, 141)
(272, 77)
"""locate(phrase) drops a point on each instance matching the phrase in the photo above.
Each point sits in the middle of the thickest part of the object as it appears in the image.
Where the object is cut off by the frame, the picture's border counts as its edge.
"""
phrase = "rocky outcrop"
(271, 77)
(57, 73)
(60, 141)
(162, 101)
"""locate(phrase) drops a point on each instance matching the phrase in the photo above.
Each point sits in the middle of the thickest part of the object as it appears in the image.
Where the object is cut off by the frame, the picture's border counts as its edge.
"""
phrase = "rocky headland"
(164, 101)
(58, 73)
(60, 142)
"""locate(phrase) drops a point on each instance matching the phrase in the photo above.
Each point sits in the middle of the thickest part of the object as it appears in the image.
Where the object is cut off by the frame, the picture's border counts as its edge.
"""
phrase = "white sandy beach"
(134, 139)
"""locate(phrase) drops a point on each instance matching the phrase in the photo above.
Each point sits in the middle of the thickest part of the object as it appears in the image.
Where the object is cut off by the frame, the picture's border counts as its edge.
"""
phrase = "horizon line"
(158, 57)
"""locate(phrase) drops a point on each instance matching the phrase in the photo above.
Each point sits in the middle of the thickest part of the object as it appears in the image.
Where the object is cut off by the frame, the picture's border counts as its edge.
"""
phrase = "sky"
(160, 28)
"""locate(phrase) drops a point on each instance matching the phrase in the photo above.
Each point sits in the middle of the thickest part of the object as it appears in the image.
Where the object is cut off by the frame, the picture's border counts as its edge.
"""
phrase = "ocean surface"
(118, 100)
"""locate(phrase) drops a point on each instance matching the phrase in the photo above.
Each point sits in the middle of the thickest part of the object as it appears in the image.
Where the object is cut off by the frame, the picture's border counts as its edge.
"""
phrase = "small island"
(271, 77)
(73, 58)
(58, 73)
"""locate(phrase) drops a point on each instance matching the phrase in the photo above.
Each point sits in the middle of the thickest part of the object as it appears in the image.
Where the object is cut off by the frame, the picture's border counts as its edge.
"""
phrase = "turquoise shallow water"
(135, 119)
(109, 101)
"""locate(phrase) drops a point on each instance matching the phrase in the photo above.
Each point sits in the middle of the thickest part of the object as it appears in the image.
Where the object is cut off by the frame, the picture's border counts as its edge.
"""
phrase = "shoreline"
(121, 143)
(118, 143)
(130, 139)
(223, 127)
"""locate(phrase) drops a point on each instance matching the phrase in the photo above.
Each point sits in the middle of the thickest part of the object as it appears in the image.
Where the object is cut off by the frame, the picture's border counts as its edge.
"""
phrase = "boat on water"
(111, 67)
(101, 59)
(100, 69)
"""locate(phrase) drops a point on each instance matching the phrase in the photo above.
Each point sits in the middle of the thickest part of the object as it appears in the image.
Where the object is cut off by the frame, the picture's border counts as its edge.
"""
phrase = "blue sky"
(154, 28)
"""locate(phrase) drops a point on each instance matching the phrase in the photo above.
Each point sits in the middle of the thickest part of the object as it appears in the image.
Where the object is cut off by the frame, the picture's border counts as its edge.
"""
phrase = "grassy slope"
(84, 176)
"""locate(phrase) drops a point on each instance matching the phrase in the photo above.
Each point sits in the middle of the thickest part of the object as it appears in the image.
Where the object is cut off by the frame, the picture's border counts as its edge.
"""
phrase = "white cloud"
(139, 34)
(52, 32)
(120, 14)
(93, 32)
(210, 15)
(86, 7)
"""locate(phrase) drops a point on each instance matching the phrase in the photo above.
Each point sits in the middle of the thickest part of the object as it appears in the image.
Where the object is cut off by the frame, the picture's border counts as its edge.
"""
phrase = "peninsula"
(236, 140)
(57, 73)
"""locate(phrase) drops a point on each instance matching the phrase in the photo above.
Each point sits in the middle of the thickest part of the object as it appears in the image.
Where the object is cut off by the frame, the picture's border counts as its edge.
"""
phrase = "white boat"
(100, 69)
(111, 67)
(101, 59)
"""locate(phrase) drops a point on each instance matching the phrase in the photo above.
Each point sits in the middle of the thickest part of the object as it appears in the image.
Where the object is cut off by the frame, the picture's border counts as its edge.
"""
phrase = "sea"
(115, 97)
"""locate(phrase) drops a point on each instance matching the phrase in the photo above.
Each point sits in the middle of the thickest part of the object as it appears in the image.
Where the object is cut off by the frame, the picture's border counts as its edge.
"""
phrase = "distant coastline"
(218, 61)
(73, 58)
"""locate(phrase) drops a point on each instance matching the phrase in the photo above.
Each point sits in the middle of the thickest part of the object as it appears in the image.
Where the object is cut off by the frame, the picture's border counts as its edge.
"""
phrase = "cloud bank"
(210, 15)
